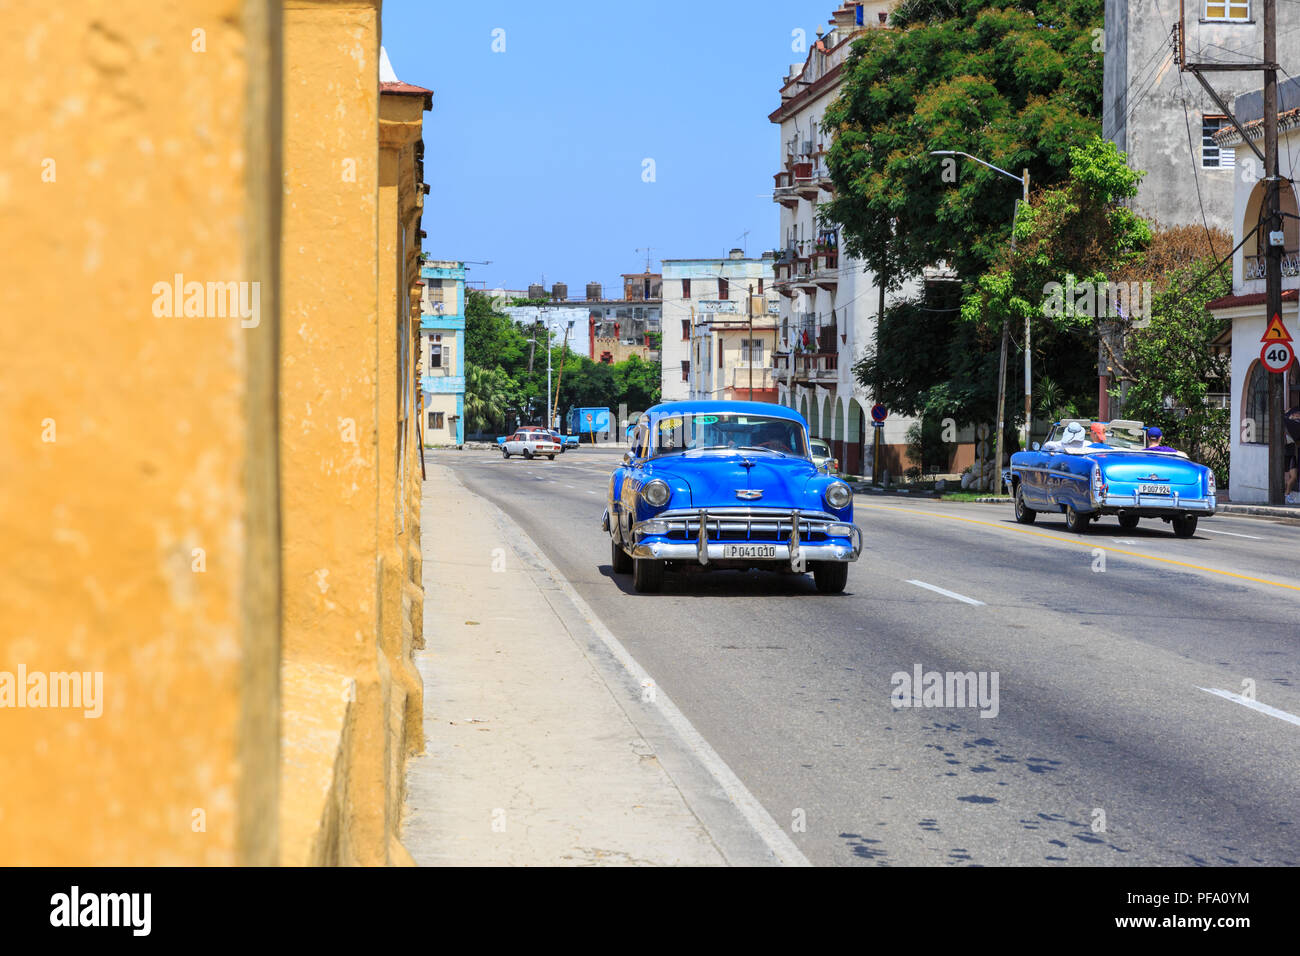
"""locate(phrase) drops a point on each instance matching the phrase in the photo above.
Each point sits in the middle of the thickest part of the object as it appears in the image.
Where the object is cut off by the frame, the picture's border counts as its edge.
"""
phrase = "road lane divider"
(1232, 534)
(946, 593)
(1253, 705)
(1084, 542)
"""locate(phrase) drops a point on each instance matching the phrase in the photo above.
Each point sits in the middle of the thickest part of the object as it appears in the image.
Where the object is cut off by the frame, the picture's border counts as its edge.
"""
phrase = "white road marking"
(946, 593)
(1253, 705)
(1234, 534)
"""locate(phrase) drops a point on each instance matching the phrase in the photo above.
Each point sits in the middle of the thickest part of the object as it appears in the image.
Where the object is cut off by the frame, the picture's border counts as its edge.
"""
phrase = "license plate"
(749, 551)
(1153, 489)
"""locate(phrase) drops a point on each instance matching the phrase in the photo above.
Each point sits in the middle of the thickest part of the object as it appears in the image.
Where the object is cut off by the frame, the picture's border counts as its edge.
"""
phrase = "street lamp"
(1002, 359)
(550, 416)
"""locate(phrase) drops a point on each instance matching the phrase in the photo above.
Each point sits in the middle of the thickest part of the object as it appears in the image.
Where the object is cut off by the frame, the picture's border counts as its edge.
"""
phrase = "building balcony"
(443, 384)
(764, 377)
(1256, 267)
(809, 367)
(806, 181)
(784, 192)
(826, 268)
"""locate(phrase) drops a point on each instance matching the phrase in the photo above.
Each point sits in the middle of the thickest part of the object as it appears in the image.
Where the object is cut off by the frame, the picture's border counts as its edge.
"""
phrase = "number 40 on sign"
(1277, 353)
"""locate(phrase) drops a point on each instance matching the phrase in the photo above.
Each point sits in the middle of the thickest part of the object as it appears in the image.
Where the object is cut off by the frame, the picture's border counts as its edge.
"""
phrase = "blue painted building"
(442, 351)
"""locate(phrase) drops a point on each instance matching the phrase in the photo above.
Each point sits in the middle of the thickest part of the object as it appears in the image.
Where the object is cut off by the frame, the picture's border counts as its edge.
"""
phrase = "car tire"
(647, 575)
(1128, 522)
(830, 576)
(504, 453)
(528, 455)
(1185, 527)
(1075, 522)
(619, 560)
(550, 458)
(1024, 514)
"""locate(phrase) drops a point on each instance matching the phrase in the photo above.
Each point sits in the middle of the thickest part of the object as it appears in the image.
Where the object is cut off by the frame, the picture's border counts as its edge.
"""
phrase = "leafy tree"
(492, 340)
(490, 394)
(1015, 82)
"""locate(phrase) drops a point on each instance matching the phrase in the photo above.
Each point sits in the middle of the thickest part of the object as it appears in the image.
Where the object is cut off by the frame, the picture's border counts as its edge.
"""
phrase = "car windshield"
(819, 448)
(674, 434)
(1125, 436)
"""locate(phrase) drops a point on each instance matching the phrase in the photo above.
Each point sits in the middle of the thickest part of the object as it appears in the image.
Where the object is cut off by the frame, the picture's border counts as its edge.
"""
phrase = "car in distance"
(822, 457)
(716, 485)
(530, 444)
(1117, 475)
(564, 441)
(501, 439)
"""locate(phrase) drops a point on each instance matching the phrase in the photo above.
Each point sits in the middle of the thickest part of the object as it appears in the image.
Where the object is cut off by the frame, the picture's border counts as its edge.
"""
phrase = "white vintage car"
(530, 444)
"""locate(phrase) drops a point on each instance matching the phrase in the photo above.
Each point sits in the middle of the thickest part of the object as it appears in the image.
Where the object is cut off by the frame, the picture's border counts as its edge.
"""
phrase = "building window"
(686, 370)
(1227, 10)
(1212, 157)
(607, 358)
(724, 289)
(435, 419)
(435, 351)
(751, 350)
(1254, 421)
(686, 288)
(686, 329)
(760, 286)
(719, 354)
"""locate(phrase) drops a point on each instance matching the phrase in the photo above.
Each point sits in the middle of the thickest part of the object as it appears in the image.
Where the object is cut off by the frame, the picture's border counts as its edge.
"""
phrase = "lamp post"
(1002, 359)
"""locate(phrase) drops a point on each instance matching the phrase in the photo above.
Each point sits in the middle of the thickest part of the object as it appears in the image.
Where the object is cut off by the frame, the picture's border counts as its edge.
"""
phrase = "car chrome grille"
(769, 529)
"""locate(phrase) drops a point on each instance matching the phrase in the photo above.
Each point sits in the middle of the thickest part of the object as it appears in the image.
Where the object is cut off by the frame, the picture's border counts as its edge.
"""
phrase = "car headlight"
(838, 494)
(656, 493)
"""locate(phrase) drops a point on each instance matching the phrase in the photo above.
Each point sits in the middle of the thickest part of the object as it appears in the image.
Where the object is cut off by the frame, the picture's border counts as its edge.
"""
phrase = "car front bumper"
(704, 537)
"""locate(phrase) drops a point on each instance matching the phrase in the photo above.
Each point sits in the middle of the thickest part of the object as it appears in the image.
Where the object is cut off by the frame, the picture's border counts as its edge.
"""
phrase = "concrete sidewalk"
(529, 759)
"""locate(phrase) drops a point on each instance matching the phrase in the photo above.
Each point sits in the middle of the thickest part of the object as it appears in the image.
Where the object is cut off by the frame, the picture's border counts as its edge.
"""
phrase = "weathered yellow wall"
(138, 500)
(214, 516)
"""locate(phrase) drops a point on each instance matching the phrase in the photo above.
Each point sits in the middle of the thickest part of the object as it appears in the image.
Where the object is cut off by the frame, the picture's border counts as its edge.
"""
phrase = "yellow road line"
(1082, 544)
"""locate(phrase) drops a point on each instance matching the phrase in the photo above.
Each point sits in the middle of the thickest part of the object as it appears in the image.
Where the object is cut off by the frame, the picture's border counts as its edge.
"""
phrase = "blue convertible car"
(716, 485)
(1088, 469)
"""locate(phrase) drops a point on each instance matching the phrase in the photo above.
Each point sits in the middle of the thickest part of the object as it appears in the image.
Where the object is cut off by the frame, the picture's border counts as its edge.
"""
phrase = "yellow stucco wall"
(215, 516)
(138, 504)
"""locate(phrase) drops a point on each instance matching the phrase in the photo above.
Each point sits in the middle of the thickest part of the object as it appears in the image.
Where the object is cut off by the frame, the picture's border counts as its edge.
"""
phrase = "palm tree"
(488, 393)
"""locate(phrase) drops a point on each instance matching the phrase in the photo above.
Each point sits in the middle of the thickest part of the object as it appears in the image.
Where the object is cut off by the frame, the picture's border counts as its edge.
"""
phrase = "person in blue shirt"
(1154, 443)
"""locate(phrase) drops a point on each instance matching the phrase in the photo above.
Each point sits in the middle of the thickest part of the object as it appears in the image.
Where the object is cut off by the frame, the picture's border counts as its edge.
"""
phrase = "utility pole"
(1272, 199)
(1029, 381)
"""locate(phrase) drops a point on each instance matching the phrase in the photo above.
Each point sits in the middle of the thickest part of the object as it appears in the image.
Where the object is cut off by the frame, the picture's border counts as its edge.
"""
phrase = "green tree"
(1015, 82)
(490, 394)
(492, 339)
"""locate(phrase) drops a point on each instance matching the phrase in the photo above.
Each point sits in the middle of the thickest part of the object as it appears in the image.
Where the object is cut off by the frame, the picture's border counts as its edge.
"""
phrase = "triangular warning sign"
(1276, 331)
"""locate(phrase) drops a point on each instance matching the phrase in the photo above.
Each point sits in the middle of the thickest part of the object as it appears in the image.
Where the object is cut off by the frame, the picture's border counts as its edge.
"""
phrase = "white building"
(829, 302)
(704, 301)
(1245, 307)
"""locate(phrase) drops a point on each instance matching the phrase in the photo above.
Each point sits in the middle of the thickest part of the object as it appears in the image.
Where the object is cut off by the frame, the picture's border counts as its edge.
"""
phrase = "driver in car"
(773, 437)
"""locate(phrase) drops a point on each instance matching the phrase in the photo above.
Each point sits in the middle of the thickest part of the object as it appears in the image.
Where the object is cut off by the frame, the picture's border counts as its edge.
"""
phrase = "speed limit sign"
(1277, 356)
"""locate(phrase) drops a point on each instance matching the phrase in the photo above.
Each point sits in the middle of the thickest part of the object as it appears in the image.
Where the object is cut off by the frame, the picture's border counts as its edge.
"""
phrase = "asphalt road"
(1108, 746)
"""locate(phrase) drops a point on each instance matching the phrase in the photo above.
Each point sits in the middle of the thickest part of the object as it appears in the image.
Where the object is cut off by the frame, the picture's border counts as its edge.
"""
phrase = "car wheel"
(1185, 527)
(647, 575)
(528, 454)
(830, 576)
(619, 560)
(1075, 522)
(1024, 514)
(550, 458)
(1128, 522)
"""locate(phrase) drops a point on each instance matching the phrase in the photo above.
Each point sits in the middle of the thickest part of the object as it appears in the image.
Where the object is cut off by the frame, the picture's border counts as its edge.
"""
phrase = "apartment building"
(1163, 118)
(708, 351)
(442, 353)
(829, 303)
(1244, 307)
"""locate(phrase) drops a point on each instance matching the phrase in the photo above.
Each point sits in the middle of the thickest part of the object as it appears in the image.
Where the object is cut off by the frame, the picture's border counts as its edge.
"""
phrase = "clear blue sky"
(534, 155)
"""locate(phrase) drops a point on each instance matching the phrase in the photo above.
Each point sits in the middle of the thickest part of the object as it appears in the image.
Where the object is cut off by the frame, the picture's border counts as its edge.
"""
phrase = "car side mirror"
(627, 458)
(1035, 446)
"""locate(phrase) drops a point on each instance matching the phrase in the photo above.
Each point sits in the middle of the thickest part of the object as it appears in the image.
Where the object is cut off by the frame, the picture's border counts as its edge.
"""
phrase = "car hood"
(714, 478)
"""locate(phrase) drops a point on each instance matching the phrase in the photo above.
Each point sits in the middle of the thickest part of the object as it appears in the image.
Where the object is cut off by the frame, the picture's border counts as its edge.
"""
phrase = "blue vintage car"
(1088, 469)
(711, 485)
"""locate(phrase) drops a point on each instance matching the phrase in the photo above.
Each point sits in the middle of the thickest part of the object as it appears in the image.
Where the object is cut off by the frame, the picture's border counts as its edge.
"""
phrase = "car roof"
(714, 407)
